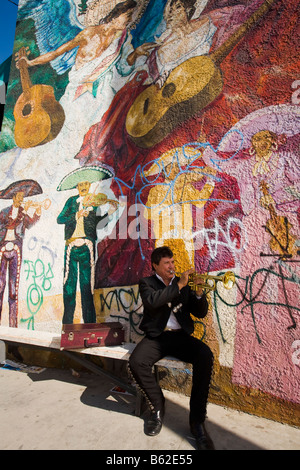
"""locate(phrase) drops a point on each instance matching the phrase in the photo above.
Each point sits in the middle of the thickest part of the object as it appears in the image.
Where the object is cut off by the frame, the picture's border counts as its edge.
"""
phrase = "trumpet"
(37, 205)
(209, 283)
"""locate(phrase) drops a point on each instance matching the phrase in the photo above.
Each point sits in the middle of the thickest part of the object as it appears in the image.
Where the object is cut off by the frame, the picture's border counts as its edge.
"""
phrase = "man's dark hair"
(119, 9)
(159, 253)
(189, 6)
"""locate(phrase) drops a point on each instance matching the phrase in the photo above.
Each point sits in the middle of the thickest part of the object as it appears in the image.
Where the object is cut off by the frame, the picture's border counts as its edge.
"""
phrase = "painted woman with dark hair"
(187, 35)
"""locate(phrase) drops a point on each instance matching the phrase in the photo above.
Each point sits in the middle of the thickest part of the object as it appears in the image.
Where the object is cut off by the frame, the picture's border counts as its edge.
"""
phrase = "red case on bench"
(88, 335)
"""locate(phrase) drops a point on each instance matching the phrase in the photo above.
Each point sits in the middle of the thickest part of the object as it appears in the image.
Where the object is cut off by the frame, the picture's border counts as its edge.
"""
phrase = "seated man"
(168, 302)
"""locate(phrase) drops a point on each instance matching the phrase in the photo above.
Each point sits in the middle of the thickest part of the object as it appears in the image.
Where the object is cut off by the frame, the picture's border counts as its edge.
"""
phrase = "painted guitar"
(278, 226)
(39, 117)
(190, 87)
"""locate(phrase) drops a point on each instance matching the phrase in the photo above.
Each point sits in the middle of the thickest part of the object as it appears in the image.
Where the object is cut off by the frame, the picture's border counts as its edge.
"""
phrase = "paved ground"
(56, 410)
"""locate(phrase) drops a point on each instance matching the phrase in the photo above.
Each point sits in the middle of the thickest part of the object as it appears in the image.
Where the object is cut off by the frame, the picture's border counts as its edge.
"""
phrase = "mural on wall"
(151, 122)
(15, 220)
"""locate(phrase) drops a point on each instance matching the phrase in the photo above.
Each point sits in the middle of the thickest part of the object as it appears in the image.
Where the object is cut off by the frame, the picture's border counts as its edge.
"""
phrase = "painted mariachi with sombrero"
(14, 220)
(80, 220)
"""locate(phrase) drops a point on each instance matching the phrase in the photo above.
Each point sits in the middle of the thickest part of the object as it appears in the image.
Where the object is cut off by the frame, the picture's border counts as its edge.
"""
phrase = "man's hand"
(160, 81)
(198, 280)
(144, 49)
(82, 213)
(23, 57)
(266, 201)
(184, 279)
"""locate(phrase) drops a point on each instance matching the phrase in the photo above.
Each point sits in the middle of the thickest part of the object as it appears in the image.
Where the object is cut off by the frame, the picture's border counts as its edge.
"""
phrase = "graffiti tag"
(40, 275)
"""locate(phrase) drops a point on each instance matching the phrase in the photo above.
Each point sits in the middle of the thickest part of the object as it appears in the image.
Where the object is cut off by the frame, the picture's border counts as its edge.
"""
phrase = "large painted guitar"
(39, 117)
(190, 87)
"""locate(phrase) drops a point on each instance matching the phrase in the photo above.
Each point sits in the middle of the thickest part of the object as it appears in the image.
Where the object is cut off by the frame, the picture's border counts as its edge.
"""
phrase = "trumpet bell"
(228, 280)
(46, 204)
(209, 283)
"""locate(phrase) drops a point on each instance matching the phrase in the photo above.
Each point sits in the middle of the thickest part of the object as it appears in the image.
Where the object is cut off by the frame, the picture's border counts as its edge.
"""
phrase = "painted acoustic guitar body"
(156, 112)
(38, 116)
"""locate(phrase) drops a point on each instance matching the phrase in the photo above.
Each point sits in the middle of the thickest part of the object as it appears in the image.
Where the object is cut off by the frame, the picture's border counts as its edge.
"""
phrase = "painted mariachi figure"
(81, 220)
(14, 220)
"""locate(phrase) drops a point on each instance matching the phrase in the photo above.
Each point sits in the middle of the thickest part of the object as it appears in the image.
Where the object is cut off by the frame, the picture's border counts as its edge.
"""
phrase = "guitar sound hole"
(26, 110)
(146, 106)
(169, 90)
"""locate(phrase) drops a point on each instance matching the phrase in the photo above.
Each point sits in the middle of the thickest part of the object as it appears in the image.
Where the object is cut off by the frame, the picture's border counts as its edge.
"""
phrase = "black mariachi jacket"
(68, 217)
(159, 299)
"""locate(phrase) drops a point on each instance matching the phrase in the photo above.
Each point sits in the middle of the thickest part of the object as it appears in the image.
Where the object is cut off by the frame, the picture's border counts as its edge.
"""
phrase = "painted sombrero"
(28, 187)
(92, 174)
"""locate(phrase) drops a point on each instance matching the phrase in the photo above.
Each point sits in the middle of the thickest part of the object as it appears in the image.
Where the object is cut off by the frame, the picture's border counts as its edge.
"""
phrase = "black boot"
(203, 439)
(153, 424)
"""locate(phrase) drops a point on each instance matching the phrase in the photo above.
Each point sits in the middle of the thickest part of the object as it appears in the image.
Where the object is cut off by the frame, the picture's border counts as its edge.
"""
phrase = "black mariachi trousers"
(185, 348)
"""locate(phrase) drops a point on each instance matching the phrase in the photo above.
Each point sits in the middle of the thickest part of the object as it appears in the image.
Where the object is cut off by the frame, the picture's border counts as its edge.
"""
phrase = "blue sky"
(8, 18)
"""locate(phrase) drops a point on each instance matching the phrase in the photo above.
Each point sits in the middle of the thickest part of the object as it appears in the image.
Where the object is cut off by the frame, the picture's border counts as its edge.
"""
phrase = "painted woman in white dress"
(188, 34)
(99, 70)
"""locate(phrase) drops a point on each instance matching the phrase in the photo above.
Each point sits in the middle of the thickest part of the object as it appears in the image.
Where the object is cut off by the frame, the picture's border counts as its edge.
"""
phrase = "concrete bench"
(48, 340)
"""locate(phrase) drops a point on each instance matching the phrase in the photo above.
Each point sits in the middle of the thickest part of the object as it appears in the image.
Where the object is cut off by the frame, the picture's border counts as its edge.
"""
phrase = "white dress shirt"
(172, 322)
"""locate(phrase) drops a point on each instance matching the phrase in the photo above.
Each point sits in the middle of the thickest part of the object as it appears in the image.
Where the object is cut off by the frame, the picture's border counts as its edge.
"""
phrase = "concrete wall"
(188, 114)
